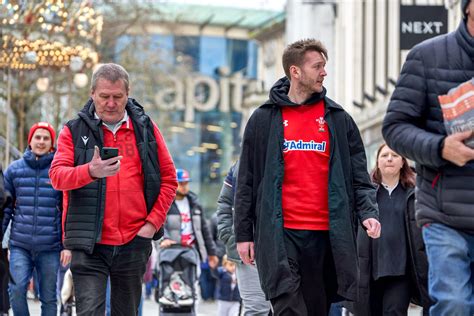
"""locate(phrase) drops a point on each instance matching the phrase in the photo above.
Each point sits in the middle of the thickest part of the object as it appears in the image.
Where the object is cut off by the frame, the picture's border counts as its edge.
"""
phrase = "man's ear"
(295, 72)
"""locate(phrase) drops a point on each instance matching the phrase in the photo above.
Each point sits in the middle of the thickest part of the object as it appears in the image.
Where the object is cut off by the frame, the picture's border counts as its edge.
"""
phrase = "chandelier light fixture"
(48, 33)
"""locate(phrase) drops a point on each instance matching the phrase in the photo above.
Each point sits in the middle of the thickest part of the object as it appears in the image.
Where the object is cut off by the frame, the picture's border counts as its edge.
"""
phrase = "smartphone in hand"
(108, 152)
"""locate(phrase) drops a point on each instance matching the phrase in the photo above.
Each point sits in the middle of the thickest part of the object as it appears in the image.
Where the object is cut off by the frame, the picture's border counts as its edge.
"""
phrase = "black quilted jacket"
(414, 127)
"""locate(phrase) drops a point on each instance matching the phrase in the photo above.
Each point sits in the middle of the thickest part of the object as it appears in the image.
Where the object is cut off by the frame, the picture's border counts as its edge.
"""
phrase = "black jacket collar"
(464, 38)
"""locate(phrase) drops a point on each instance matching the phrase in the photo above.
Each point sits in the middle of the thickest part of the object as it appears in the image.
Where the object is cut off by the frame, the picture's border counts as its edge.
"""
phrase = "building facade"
(201, 61)
(362, 38)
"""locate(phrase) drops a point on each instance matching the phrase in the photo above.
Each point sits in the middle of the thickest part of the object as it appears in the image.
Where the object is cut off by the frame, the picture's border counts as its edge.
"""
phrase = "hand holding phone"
(108, 152)
(104, 163)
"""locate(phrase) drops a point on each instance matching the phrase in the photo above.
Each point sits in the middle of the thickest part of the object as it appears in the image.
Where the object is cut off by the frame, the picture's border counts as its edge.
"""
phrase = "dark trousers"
(4, 278)
(390, 296)
(313, 272)
(207, 283)
(124, 264)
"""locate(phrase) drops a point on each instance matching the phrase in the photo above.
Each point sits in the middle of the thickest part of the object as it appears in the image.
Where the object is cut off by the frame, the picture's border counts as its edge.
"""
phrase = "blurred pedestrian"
(35, 214)
(253, 299)
(4, 270)
(116, 205)
(302, 186)
(227, 294)
(186, 225)
(413, 127)
(394, 268)
(148, 279)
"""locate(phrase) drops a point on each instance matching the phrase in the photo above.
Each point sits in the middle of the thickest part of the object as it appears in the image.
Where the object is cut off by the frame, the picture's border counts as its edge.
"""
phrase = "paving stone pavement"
(150, 308)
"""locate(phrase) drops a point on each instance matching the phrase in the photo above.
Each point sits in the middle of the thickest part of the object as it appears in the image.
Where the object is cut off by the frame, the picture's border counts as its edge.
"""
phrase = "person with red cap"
(35, 216)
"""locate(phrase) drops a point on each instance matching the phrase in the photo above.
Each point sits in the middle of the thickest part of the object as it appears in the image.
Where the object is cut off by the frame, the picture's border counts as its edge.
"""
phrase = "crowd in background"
(99, 212)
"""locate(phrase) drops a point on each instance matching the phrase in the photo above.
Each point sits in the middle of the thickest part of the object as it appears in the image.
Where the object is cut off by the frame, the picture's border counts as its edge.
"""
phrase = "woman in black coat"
(394, 267)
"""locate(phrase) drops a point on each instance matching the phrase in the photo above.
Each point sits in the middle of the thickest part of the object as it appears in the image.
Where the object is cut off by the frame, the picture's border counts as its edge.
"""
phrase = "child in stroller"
(177, 266)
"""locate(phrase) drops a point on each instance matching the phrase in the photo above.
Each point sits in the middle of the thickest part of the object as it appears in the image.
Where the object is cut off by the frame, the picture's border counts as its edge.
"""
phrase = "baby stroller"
(177, 266)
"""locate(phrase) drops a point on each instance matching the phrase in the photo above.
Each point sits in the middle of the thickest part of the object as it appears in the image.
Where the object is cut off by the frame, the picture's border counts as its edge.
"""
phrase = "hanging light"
(81, 80)
(29, 28)
(76, 63)
(42, 84)
(31, 57)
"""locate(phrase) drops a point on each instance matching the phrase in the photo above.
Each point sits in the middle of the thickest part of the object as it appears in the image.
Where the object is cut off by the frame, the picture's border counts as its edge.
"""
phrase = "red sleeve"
(169, 183)
(64, 176)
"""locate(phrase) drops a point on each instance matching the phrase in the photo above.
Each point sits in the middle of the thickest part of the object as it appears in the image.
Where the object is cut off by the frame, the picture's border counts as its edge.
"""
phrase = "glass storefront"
(193, 88)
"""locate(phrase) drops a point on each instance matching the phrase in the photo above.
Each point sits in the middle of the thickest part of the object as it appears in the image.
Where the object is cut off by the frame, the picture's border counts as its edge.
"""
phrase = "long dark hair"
(407, 175)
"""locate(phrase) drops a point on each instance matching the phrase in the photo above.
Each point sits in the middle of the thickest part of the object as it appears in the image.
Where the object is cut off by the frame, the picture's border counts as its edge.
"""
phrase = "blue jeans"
(451, 262)
(335, 309)
(22, 263)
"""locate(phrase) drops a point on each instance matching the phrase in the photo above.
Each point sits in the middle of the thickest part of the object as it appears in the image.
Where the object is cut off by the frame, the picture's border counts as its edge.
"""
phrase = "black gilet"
(85, 214)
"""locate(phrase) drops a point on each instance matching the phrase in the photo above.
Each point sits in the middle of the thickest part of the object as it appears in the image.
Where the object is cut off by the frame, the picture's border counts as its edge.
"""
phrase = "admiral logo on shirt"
(290, 145)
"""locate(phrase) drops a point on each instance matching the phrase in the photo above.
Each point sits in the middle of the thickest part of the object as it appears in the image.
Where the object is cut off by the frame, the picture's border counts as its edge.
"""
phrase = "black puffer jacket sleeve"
(406, 113)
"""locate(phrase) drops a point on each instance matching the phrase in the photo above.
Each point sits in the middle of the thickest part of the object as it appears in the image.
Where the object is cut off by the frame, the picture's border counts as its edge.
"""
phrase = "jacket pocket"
(454, 195)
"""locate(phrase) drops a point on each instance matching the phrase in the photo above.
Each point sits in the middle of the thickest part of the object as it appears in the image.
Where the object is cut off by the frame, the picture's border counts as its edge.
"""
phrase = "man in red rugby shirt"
(112, 207)
(302, 186)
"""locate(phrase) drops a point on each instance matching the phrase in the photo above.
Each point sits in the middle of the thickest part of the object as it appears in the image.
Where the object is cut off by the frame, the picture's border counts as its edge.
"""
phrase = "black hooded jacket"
(258, 206)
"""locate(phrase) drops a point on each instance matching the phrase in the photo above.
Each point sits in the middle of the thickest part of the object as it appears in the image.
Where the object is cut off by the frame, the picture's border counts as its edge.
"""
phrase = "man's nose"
(110, 101)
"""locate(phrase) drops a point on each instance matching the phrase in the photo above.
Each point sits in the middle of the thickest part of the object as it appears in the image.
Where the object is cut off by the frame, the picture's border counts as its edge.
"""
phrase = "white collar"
(390, 189)
(115, 127)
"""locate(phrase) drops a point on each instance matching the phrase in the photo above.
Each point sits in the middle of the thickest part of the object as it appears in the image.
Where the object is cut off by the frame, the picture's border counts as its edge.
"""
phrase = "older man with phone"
(119, 181)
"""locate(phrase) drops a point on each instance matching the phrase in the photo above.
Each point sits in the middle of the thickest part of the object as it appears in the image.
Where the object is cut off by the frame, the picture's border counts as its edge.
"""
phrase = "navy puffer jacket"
(36, 209)
(414, 127)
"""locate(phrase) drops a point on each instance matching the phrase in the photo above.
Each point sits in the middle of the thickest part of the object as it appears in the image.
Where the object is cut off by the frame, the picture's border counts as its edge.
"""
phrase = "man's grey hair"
(110, 72)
